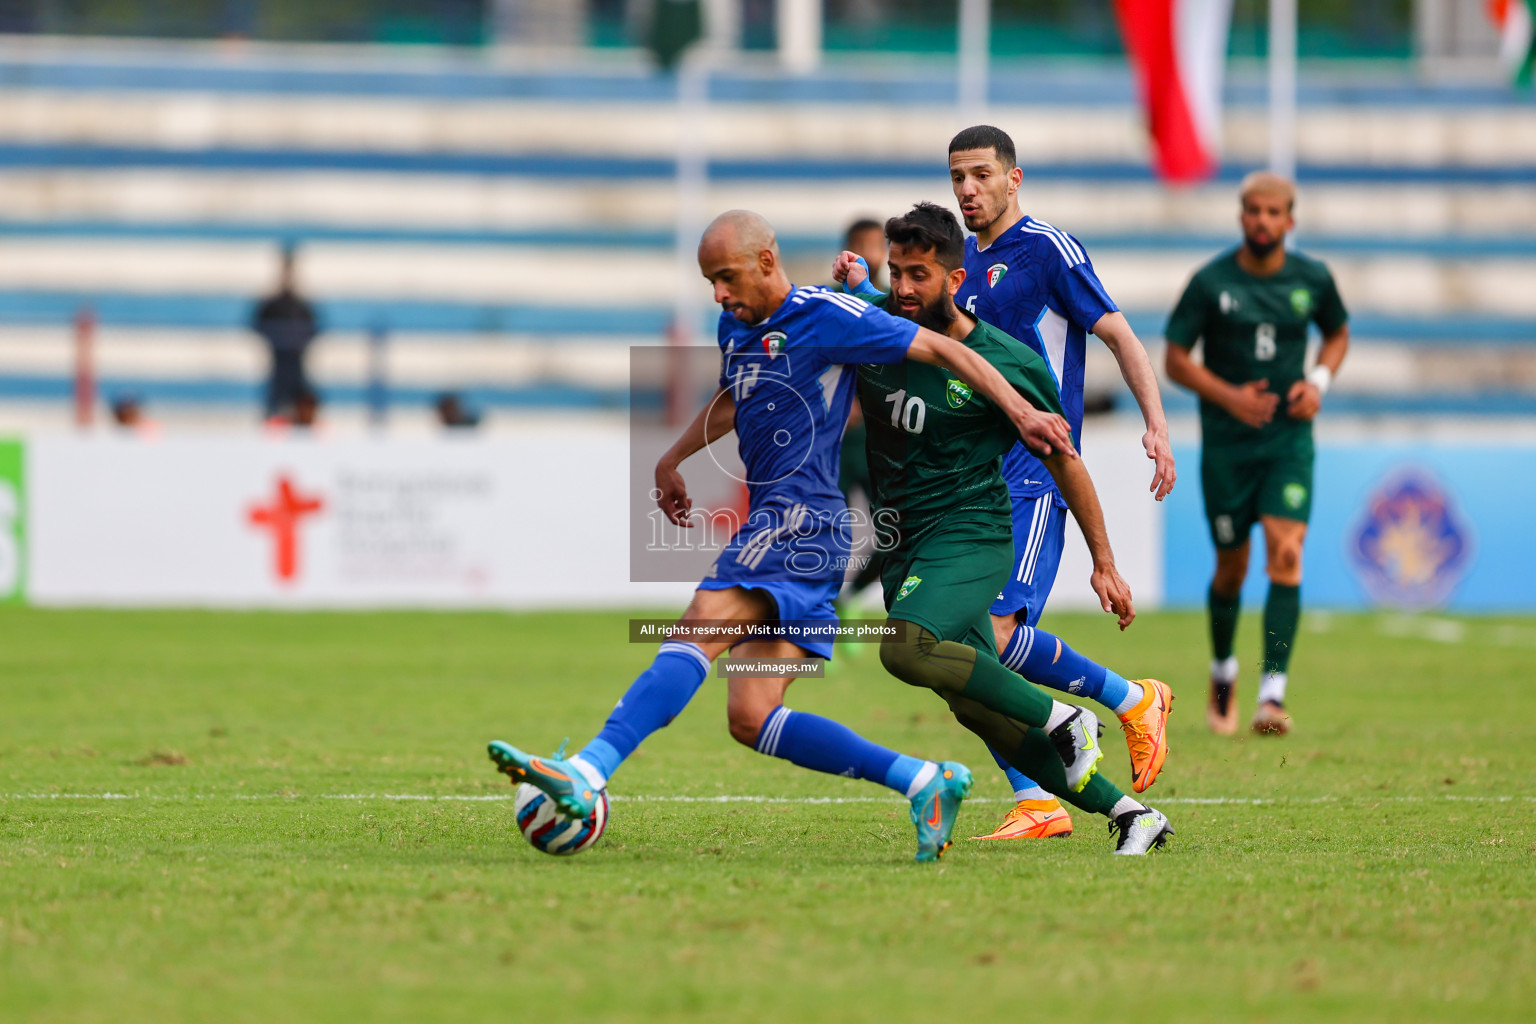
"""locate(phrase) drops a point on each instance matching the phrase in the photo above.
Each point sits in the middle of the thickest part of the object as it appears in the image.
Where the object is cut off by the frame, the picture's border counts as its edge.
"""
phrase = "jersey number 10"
(907, 413)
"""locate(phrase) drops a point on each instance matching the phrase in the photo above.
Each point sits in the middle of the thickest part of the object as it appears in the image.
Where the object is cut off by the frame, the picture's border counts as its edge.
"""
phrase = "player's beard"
(1262, 249)
(938, 316)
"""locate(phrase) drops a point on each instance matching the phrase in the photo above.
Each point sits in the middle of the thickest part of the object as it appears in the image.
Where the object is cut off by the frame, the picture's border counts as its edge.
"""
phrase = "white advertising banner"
(501, 522)
(262, 522)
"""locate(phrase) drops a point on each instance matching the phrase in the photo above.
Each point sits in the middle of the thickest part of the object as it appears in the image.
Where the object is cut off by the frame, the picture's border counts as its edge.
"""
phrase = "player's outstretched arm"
(713, 422)
(1082, 498)
(1115, 332)
(1042, 431)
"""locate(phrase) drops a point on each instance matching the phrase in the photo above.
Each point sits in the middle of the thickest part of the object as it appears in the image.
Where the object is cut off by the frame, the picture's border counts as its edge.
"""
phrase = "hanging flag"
(1516, 20)
(1179, 50)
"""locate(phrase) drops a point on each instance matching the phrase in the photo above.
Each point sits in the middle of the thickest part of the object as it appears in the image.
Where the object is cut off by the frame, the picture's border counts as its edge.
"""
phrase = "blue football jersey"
(792, 378)
(1037, 284)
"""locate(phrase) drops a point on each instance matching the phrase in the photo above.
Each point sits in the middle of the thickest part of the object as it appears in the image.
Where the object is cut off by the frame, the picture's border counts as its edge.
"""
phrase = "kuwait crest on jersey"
(774, 342)
(995, 274)
(958, 393)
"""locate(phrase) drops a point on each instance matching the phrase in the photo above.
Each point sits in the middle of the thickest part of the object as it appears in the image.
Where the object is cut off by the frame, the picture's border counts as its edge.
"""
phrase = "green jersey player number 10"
(907, 413)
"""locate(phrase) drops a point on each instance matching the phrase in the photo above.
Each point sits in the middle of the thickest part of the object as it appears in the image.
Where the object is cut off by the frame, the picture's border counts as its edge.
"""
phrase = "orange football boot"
(1034, 819)
(1146, 732)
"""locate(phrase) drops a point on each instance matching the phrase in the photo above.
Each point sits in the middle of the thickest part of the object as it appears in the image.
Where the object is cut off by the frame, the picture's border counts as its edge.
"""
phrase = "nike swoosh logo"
(936, 817)
(544, 769)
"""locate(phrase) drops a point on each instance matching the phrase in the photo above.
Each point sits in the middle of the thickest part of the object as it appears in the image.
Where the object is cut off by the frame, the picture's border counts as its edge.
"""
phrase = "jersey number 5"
(1264, 342)
(907, 413)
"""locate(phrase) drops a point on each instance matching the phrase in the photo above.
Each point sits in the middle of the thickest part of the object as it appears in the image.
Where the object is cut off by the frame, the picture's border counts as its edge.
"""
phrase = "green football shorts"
(1242, 483)
(947, 579)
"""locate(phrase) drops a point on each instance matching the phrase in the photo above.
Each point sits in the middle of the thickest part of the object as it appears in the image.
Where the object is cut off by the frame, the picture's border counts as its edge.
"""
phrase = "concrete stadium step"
(425, 361)
(449, 202)
(918, 129)
(187, 311)
(613, 278)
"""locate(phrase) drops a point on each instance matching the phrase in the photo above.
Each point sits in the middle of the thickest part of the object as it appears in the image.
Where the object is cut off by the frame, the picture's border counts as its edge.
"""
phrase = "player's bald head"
(739, 255)
(739, 233)
(1269, 185)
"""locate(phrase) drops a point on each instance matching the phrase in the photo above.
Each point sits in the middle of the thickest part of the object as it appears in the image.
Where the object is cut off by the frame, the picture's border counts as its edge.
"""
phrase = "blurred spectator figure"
(867, 238)
(128, 416)
(452, 413)
(287, 323)
(306, 408)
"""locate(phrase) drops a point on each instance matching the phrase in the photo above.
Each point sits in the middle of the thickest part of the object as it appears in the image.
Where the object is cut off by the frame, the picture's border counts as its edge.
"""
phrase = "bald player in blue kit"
(786, 385)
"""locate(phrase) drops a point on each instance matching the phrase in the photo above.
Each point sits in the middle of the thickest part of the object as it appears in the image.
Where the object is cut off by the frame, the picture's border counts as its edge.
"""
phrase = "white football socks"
(1125, 805)
(1032, 793)
(1225, 670)
(1059, 713)
(588, 772)
(1272, 687)
(924, 776)
(1134, 693)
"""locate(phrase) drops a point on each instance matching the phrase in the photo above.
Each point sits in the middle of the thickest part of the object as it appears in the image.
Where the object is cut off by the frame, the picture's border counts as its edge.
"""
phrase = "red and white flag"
(1179, 49)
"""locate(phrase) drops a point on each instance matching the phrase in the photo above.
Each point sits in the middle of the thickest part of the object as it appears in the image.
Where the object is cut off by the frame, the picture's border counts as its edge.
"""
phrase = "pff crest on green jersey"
(907, 586)
(774, 342)
(995, 274)
(958, 393)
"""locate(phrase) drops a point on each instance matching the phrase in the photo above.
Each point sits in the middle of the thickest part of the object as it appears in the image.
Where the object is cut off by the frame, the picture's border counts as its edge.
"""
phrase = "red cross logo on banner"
(282, 516)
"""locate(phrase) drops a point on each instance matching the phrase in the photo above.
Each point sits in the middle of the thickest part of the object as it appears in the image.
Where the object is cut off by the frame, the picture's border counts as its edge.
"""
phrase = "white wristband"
(1320, 377)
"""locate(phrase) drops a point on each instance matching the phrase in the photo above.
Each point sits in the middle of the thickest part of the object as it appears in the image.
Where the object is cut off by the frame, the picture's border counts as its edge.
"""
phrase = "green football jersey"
(1255, 328)
(936, 446)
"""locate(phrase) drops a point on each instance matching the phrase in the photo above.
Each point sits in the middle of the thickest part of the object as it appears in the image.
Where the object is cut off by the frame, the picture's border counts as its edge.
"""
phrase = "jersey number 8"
(1264, 342)
(907, 413)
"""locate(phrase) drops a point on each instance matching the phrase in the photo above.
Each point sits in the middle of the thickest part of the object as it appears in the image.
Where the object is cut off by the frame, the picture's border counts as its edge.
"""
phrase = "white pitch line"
(742, 799)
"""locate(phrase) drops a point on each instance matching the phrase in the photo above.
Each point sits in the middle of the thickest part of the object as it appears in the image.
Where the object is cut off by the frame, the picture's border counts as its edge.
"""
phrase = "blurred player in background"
(867, 238)
(1250, 308)
(935, 453)
(785, 391)
(1035, 283)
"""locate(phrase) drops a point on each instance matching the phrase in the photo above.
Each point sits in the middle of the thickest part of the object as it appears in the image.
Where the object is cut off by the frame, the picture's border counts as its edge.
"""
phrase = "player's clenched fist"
(1253, 403)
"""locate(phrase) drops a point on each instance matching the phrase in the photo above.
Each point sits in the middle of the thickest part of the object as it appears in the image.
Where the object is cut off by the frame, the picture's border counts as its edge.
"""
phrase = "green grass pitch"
(1379, 864)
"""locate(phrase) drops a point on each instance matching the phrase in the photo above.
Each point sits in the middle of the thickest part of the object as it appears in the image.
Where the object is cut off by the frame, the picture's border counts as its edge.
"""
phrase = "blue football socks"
(1024, 787)
(823, 745)
(1043, 658)
(651, 702)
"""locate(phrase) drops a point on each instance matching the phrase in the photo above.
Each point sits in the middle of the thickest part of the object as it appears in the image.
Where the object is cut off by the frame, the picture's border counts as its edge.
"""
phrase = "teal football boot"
(936, 806)
(560, 780)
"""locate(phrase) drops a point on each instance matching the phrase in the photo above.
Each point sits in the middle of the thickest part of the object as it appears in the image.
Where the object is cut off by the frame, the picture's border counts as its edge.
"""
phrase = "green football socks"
(1282, 611)
(1224, 613)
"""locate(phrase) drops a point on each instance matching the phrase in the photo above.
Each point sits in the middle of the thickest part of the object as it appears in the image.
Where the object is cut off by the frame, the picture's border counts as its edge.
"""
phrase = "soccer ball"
(549, 830)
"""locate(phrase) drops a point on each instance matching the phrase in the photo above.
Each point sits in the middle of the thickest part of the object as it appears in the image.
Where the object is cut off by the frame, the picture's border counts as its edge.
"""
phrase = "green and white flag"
(1516, 20)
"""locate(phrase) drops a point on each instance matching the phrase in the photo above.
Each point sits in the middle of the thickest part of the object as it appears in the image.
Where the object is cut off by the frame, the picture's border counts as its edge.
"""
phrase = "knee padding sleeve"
(918, 658)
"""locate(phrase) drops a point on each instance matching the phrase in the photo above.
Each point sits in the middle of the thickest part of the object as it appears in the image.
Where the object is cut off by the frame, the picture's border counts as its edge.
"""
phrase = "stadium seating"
(510, 232)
